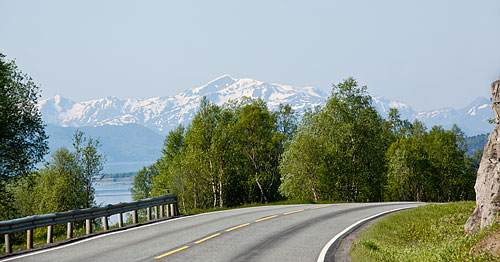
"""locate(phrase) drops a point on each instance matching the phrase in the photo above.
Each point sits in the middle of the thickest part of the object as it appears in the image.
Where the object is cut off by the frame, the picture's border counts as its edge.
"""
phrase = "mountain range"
(131, 130)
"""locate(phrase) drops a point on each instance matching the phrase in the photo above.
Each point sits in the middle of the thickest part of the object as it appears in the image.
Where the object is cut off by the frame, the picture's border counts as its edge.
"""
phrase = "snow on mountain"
(472, 119)
(162, 114)
(384, 105)
(165, 113)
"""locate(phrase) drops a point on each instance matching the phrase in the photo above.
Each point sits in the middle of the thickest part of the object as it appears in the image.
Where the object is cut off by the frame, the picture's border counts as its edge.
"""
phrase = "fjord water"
(111, 191)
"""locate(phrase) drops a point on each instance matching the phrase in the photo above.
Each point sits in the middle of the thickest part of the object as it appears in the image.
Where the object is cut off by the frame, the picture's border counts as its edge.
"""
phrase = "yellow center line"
(288, 213)
(171, 252)
(266, 218)
(207, 238)
(231, 229)
(319, 207)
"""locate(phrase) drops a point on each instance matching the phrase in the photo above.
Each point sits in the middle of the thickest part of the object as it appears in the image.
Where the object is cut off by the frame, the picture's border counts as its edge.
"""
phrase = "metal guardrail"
(69, 217)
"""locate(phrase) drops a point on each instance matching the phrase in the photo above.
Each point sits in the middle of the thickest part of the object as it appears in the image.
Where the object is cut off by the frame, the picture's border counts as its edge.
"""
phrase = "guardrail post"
(172, 210)
(156, 212)
(88, 226)
(149, 213)
(120, 220)
(167, 207)
(29, 239)
(69, 230)
(49, 234)
(8, 245)
(161, 211)
(134, 216)
(105, 223)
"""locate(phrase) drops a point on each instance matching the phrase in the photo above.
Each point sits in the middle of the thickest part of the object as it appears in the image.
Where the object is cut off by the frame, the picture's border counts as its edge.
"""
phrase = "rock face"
(488, 176)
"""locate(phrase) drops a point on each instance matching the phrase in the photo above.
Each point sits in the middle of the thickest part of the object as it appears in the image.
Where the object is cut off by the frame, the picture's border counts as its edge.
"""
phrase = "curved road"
(268, 233)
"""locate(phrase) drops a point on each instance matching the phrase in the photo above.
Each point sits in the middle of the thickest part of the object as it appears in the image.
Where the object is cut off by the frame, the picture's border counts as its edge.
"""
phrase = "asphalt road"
(269, 233)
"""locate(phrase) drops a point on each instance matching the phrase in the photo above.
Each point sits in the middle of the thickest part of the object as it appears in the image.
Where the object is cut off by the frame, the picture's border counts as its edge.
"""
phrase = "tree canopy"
(23, 141)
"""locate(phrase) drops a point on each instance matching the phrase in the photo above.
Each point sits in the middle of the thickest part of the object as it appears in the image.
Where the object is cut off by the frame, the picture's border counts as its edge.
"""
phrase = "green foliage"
(430, 166)
(88, 163)
(143, 182)
(65, 183)
(432, 232)
(23, 142)
(338, 151)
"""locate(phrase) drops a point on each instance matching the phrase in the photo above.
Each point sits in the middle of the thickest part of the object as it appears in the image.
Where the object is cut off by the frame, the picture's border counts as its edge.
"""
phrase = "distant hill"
(475, 143)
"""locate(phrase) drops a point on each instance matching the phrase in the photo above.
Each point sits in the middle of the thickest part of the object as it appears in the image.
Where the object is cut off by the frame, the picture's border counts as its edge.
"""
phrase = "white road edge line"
(126, 230)
(322, 255)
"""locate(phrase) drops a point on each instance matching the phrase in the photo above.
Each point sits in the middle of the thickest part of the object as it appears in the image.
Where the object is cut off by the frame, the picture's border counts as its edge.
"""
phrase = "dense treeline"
(228, 156)
(241, 152)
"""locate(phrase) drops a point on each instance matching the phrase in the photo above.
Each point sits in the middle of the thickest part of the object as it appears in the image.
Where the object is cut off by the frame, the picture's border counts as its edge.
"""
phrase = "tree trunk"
(315, 194)
(221, 173)
(212, 176)
(195, 197)
(183, 200)
(261, 191)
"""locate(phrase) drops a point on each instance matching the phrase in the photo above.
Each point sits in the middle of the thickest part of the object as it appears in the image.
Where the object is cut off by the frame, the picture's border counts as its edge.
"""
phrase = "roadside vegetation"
(433, 232)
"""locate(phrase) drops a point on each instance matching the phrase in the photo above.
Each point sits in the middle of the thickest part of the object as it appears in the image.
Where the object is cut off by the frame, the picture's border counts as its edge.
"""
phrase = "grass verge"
(433, 232)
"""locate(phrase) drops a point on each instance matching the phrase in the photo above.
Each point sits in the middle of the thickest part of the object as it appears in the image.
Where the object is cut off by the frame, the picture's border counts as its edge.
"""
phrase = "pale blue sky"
(427, 53)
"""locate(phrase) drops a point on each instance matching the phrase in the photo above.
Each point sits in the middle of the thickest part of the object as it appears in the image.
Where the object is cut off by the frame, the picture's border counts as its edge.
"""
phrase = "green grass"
(433, 232)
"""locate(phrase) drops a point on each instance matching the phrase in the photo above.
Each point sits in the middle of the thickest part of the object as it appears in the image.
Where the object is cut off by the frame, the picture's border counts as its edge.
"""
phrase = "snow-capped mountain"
(472, 119)
(162, 114)
(165, 113)
(384, 105)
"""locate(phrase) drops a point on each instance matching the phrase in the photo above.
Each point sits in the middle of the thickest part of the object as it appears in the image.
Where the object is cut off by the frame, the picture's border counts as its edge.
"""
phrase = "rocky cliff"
(488, 176)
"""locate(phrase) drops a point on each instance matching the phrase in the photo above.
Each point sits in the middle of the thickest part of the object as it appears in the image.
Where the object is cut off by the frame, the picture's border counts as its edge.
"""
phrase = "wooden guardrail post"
(148, 213)
(156, 212)
(120, 220)
(69, 230)
(8, 245)
(88, 226)
(134, 216)
(105, 223)
(29, 239)
(172, 210)
(50, 230)
(161, 211)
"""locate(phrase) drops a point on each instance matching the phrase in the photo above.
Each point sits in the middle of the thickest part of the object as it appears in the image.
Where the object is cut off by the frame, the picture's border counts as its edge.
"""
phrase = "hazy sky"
(427, 53)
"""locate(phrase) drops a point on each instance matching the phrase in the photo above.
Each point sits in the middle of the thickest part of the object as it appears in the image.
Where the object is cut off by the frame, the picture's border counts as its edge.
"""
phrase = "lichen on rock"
(488, 176)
